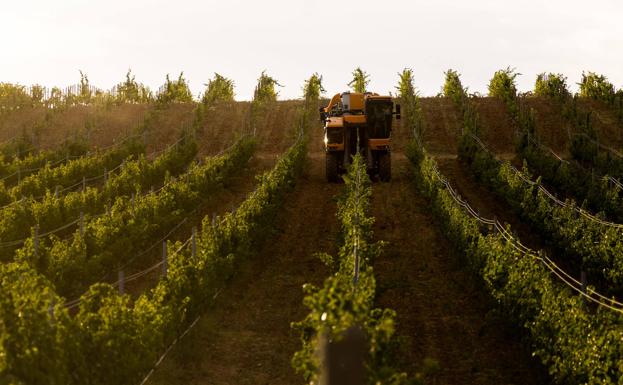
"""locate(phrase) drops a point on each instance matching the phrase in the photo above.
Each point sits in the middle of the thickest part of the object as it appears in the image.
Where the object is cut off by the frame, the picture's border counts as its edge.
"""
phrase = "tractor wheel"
(332, 165)
(385, 167)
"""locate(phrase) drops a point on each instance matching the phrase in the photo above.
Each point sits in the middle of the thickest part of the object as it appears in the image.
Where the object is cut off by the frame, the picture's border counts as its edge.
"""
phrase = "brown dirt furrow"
(49, 128)
(605, 121)
(224, 121)
(485, 202)
(552, 128)
(443, 312)
(235, 190)
(497, 127)
(442, 125)
(277, 128)
(245, 338)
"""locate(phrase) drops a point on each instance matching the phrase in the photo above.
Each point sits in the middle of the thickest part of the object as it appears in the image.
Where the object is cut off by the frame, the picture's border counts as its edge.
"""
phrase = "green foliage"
(405, 87)
(34, 335)
(410, 101)
(174, 91)
(17, 149)
(265, 89)
(33, 162)
(454, 90)
(599, 88)
(85, 94)
(53, 212)
(74, 263)
(502, 86)
(13, 97)
(551, 85)
(577, 344)
(596, 87)
(74, 171)
(586, 150)
(56, 98)
(452, 87)
(360, 81)
(597, 192)
(341, 304)
(37, 93)
(128, 335)
(263, 94)
(219, 89)
(587, 244)
(565, 176)
(313, 87)
(130, 91)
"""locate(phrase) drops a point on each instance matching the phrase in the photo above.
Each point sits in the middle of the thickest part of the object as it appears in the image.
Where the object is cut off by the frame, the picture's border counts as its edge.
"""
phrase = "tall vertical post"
(343, 359)
(81, 223)
(51, 308)
(84, 183)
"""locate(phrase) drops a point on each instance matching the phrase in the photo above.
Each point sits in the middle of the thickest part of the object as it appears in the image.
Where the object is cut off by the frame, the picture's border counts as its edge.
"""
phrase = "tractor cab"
(358, 123)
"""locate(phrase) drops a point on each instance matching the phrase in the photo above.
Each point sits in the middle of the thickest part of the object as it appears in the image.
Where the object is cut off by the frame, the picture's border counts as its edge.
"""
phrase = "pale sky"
(48, 41)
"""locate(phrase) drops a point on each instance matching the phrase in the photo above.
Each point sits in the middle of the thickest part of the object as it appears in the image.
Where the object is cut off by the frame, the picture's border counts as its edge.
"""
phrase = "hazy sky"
(48, 41)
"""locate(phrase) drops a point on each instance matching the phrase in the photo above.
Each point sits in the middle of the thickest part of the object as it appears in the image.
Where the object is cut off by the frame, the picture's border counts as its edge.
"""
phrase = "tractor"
(358, 123)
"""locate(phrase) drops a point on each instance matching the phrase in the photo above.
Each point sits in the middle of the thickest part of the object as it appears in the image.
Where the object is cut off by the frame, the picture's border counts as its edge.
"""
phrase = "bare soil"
(442, 125)
(235, 189)
(552, 129)
(485, 202)
(275, 128)
(605, 121)
(443, 313)
(53, 127)
(246, 338)
(498, 129)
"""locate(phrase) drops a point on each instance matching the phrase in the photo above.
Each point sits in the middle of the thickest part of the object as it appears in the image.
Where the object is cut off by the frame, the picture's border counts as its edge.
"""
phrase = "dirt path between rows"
(485, 202)
(246, 337)
(444, 313)
(235, 190)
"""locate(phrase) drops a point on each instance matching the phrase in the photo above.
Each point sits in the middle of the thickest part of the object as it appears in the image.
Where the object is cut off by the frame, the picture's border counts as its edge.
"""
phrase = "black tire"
(385, 167)
(331, 167)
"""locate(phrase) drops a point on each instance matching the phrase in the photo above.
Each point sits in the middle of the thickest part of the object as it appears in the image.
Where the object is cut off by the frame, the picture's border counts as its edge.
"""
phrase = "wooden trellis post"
(121, 282)
(342, 361)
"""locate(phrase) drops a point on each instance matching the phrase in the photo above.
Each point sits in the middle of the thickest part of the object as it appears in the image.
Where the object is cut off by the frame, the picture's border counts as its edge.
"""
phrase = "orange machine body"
(358, 123)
